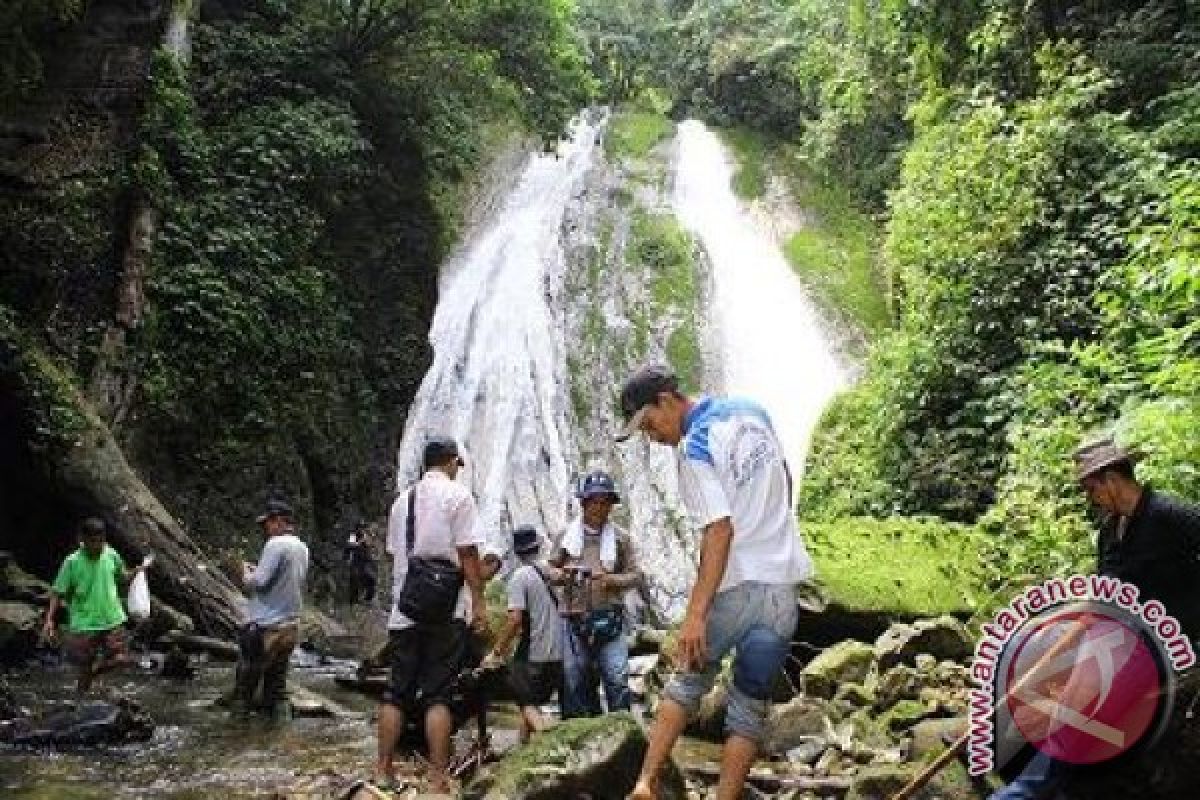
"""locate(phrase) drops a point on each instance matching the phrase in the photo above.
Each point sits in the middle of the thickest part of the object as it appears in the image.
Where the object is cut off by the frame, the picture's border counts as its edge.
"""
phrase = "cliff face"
(228, 261)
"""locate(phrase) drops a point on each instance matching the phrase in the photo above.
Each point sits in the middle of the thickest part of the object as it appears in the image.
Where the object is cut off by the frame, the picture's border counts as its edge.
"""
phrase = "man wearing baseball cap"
(736, 487)
(434, 519)
(272, 629)
(598, 567)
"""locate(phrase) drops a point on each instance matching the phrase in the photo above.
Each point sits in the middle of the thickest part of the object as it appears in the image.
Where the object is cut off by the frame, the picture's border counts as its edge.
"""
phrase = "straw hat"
(1101, 454)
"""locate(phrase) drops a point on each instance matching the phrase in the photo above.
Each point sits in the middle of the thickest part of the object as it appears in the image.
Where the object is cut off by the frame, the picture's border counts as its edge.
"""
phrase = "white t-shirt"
(731, 465)
(445, 520)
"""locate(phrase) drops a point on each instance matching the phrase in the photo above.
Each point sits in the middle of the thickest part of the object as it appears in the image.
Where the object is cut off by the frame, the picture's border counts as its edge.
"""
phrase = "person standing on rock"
(87, 584)
(735, 485)
(536, 671)
(272, 628)
(596, 561)
(437, 579)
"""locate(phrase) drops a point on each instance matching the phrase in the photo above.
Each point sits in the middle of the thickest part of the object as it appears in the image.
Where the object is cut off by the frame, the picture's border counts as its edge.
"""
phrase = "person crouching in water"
(536, 671)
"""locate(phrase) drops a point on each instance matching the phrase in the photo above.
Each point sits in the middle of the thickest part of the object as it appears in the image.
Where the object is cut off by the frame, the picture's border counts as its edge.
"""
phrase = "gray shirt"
(276, 584)
(528, 592)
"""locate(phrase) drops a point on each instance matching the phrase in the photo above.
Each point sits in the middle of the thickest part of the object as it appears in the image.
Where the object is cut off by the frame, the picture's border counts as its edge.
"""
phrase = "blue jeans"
(1041, 779)
(756, 620)
(584, 667)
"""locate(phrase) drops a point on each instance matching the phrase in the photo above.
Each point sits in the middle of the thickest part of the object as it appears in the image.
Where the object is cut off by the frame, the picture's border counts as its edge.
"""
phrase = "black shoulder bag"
(431, 584)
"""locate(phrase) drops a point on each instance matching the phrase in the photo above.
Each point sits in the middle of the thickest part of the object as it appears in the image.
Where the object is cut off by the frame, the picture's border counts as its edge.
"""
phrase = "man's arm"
(263, 576)
(48, 626)
(630, 576)
(468, 557)
(714, 555)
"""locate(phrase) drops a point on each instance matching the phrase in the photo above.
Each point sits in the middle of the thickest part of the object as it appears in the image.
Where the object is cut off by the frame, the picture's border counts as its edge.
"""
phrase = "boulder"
(326, 635)
(930, 737)
(901, 682)
(796, 722)
(595, 758)
(20, 626)
(944, 638)
(881, 781)
(20, 586)
(845, 662)
(94, 723)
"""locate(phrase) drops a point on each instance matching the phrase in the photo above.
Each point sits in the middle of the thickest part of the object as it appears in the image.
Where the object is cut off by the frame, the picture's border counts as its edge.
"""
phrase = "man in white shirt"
(737, 490)
(427, 657)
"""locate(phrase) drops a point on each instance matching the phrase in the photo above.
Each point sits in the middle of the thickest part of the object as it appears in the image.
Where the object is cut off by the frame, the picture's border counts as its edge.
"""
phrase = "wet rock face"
(19, 627)
(944, 638)
(92, 723)
(595, 758)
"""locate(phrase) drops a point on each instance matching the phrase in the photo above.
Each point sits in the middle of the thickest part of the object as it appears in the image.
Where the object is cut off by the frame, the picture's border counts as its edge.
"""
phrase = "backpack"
(431, 585)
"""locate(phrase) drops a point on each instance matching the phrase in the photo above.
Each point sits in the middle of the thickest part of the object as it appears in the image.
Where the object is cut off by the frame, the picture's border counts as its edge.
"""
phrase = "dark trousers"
(263, 661)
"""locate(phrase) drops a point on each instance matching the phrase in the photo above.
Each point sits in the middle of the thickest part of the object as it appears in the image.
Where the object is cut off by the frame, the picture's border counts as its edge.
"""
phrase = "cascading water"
(499, 381)
(772, 345)
(497, 378)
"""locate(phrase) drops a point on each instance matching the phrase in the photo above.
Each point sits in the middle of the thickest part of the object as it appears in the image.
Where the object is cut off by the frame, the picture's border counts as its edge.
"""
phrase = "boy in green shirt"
(87, 584)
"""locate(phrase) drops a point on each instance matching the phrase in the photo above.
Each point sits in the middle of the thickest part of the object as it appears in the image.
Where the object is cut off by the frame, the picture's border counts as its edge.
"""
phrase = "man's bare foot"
(644, 790)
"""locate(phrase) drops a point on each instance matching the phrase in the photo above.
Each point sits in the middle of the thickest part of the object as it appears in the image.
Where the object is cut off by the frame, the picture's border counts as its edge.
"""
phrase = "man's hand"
(599, 579)
(479, 620)
(692, 652)
(493, 660)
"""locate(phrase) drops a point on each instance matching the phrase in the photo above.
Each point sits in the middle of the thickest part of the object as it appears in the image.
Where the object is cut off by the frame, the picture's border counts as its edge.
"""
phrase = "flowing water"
(773, 345)
(498, 372)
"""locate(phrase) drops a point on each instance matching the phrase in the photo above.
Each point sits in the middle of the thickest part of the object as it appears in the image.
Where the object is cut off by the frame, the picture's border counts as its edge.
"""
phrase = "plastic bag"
(138, 600)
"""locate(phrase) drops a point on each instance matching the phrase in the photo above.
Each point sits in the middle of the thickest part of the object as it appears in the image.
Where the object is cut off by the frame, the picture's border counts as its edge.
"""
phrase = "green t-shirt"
(90, 590)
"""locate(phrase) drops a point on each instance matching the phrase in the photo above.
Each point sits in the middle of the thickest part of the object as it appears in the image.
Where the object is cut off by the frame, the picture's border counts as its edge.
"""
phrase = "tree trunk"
(81, 467)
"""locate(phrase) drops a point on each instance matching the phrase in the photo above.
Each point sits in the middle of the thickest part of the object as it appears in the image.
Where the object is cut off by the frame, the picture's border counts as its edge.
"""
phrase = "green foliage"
(31, 378)
(633, 134)
(835, 250)
(897, 564)
(23, 26)
(1042, 233)
(625, 41)
(750, 174)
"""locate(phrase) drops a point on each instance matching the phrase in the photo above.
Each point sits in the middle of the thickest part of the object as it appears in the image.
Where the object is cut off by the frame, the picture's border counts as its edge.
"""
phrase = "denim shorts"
(756, 621)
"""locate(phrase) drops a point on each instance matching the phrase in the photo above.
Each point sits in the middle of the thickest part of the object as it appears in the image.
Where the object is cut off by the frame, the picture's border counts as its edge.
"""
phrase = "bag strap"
(545, 583)
(411, 521)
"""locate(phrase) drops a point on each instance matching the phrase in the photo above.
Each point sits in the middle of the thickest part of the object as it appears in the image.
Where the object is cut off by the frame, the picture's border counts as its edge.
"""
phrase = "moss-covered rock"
(944, 638)
(881, 781)
(792, 724)
(846, 662)
(598, 757)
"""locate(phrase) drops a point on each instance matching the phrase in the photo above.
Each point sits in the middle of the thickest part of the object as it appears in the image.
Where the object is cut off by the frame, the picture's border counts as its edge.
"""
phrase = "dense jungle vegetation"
(1009, 192)
(1033, 170)
(309, 164)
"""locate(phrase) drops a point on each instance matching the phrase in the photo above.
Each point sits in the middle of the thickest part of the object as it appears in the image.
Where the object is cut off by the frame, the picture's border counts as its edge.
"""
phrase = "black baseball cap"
(274, 508)
(642, 389)
(440, 450)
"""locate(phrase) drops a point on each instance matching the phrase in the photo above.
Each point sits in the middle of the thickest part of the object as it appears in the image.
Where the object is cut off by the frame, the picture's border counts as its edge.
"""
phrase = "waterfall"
(772, 345)
(497, 379)
(512, 297)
